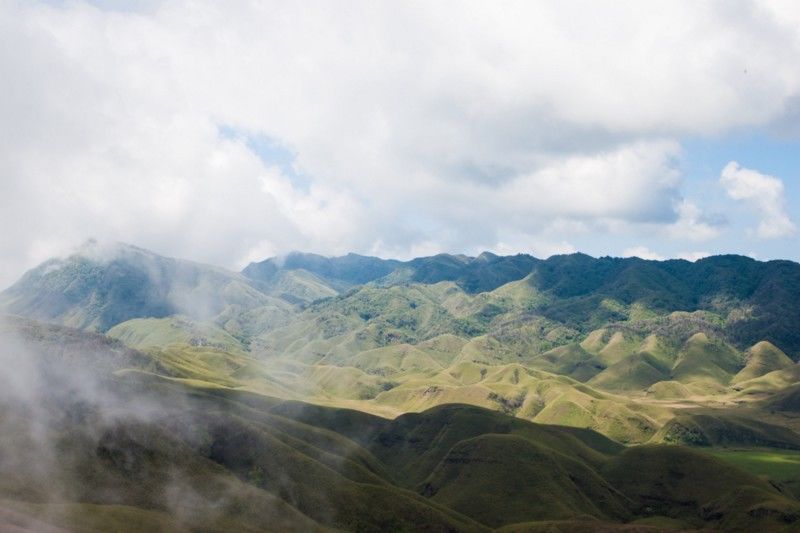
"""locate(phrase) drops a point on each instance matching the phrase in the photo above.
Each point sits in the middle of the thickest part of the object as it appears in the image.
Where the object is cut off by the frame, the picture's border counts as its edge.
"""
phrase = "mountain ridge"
(96, 291)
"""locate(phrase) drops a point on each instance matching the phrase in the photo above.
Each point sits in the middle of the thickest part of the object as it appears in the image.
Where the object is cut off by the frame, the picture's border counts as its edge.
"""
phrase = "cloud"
(540, 248)
(693, 225)
(762, 192)
(635, 182)
(643, 253)
(692, 256)
(414, 126)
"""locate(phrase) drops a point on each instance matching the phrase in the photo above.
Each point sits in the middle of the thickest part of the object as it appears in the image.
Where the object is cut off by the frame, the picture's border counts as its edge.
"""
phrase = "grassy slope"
(405, 377)
(232, 459)
(526, 479)
(149, 333)
(725, 428)
(682, 483)
(781, 466)
(763, 358)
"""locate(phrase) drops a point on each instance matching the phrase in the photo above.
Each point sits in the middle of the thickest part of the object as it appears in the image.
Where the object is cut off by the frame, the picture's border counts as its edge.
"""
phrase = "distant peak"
(105, 251)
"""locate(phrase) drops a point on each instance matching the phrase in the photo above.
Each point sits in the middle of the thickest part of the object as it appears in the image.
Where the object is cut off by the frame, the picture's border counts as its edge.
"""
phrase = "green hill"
(701, 490)
(474, 274)
(341, 272)
(526, 479)
(761, 294)
(148, 333)
(702, 359)
(726, 429)
(786, 399)
(761, 359)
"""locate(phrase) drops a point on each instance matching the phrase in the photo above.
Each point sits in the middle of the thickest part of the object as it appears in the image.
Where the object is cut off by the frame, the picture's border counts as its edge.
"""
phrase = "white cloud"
(692, 225)
(764, 193)
(634, 182)
(419, 126)
(642, 252)
(693, 256)
(645, 253)
(538, 247)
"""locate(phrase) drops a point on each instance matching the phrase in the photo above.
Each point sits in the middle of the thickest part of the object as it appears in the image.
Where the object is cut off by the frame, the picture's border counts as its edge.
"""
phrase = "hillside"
(101, 286)
(756, 299)
(130, 449)
(474, 274)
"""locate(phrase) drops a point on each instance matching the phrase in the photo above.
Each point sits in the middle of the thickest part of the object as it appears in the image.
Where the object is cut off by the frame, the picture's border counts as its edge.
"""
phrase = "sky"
(229, 132)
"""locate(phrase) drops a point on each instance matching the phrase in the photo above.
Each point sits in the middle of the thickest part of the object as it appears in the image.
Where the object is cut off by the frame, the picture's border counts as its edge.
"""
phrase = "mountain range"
(99, 287)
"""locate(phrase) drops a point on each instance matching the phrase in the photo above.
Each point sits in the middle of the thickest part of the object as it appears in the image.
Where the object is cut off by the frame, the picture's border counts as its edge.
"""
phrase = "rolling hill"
(108, 446)
(360, 393)
(512, 333)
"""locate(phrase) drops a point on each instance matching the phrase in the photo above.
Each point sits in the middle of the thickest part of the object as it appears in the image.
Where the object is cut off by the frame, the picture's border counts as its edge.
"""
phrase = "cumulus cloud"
(693, 256)
(642, 252)
(636, 182)
(764, 193)
(536, 247)
(415, 126)
(693, 225)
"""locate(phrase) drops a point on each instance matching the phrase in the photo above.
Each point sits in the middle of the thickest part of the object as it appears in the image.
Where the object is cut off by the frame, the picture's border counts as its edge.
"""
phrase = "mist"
(75, 437)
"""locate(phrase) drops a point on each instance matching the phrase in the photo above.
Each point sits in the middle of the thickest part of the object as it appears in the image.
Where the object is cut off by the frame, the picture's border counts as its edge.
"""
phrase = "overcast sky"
(231, 131)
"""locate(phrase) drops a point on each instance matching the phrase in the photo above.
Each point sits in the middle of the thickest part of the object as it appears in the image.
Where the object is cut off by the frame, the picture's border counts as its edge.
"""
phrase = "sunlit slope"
(761, 359)
(484, 370)
(149, 333)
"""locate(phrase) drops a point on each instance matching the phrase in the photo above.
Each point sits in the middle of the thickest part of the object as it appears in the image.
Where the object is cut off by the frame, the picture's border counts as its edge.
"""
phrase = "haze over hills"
(432, 381)
(103, 285)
